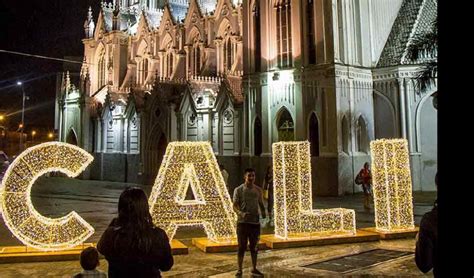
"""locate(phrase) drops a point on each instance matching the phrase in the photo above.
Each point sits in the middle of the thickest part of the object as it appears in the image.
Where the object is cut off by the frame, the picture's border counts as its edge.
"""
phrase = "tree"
(424, 50)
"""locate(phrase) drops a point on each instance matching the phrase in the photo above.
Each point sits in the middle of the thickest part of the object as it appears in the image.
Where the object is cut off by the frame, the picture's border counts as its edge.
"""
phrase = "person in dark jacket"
(426, 252)
(132, 245)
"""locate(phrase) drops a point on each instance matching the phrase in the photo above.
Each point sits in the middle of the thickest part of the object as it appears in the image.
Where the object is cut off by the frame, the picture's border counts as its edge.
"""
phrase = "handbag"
(265, 194)
(358, 180)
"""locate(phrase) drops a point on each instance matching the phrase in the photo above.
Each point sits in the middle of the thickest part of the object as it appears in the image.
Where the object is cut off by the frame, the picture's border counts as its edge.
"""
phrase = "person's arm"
(164, 256)
(260, 203)
(106, 243)
(236, 202)
(265, 182)
(424, 247)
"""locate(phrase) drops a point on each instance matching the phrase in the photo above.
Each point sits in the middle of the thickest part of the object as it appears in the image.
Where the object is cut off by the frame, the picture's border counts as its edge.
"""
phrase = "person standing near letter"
(364, 178)
(248, 197)
(268, 192)
(132, 245)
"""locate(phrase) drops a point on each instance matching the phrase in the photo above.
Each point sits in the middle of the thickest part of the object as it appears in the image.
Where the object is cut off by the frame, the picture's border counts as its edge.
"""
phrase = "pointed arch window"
(313, 134)
(284, 40)
(227, 50)
(285, 126)
(196, 56)
(345, 135)
(197, 60)
(257, 137)
(228, 57)
(142, 73)
(257, 39)
(101, 69)
(169, 63)
(311, 32)
(145, 70)
(361, 135)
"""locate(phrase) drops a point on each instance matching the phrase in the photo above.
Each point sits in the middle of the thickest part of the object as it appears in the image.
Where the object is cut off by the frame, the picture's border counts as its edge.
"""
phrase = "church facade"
(245, 74)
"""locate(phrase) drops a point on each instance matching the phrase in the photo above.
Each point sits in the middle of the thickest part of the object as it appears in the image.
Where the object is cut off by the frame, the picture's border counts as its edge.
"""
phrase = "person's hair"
(221, 166)
(367, 163)
(269, 170)
(249, 170)
(135, 218)
(89, 258)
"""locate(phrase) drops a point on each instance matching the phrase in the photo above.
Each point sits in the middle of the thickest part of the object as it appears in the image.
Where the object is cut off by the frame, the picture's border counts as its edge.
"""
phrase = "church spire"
(67, 84)
(116, 16)
(89, 24)
(89, 14)
(117, 7)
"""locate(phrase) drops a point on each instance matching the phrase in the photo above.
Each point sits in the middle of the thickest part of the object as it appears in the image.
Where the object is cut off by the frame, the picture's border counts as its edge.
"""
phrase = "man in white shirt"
(248, 198)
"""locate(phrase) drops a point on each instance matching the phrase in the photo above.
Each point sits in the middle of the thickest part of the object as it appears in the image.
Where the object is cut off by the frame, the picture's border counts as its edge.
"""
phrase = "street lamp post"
(3, 133)
(22, 124)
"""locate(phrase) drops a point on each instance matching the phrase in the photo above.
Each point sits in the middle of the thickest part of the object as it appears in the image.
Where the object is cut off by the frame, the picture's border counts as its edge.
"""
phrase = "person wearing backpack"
(364, 178)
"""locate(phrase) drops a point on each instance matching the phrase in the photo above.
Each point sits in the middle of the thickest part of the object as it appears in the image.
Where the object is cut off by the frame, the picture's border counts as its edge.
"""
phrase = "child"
(89, 261)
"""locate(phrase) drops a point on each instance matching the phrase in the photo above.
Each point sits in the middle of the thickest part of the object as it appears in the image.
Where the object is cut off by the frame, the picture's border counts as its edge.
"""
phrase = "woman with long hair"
(132, 245)
(268, 192)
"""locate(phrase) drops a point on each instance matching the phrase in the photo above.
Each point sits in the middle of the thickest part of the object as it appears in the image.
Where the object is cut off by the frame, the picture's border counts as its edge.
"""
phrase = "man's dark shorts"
(247, 232)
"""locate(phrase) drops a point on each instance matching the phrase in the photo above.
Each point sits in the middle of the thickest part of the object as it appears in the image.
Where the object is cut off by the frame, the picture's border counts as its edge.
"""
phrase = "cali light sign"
(185, 165)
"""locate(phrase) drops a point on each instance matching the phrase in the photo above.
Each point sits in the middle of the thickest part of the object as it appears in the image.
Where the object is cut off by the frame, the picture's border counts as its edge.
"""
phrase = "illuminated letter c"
(28, 225)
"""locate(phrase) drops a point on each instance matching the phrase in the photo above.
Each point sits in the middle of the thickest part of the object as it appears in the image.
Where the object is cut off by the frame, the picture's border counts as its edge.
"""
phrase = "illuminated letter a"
(192, 164)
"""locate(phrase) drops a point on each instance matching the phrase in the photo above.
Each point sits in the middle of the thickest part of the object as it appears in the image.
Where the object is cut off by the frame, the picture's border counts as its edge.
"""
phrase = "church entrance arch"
(285, 126)
(257, 137)
(71, 138)
(154, 151)
(427, 141)
(314, 134)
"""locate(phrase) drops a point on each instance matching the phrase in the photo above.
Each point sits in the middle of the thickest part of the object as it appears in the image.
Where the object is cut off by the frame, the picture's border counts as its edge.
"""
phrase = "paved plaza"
(97, 201)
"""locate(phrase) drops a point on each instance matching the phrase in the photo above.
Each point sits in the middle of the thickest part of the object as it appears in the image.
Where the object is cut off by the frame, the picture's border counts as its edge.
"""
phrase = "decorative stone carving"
(167, 25)
(228, 116)
(192, 119)
(110, 123)
(225, 10)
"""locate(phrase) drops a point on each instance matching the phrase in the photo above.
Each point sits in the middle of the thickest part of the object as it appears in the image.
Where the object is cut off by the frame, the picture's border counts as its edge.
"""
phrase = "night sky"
(43, 27)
